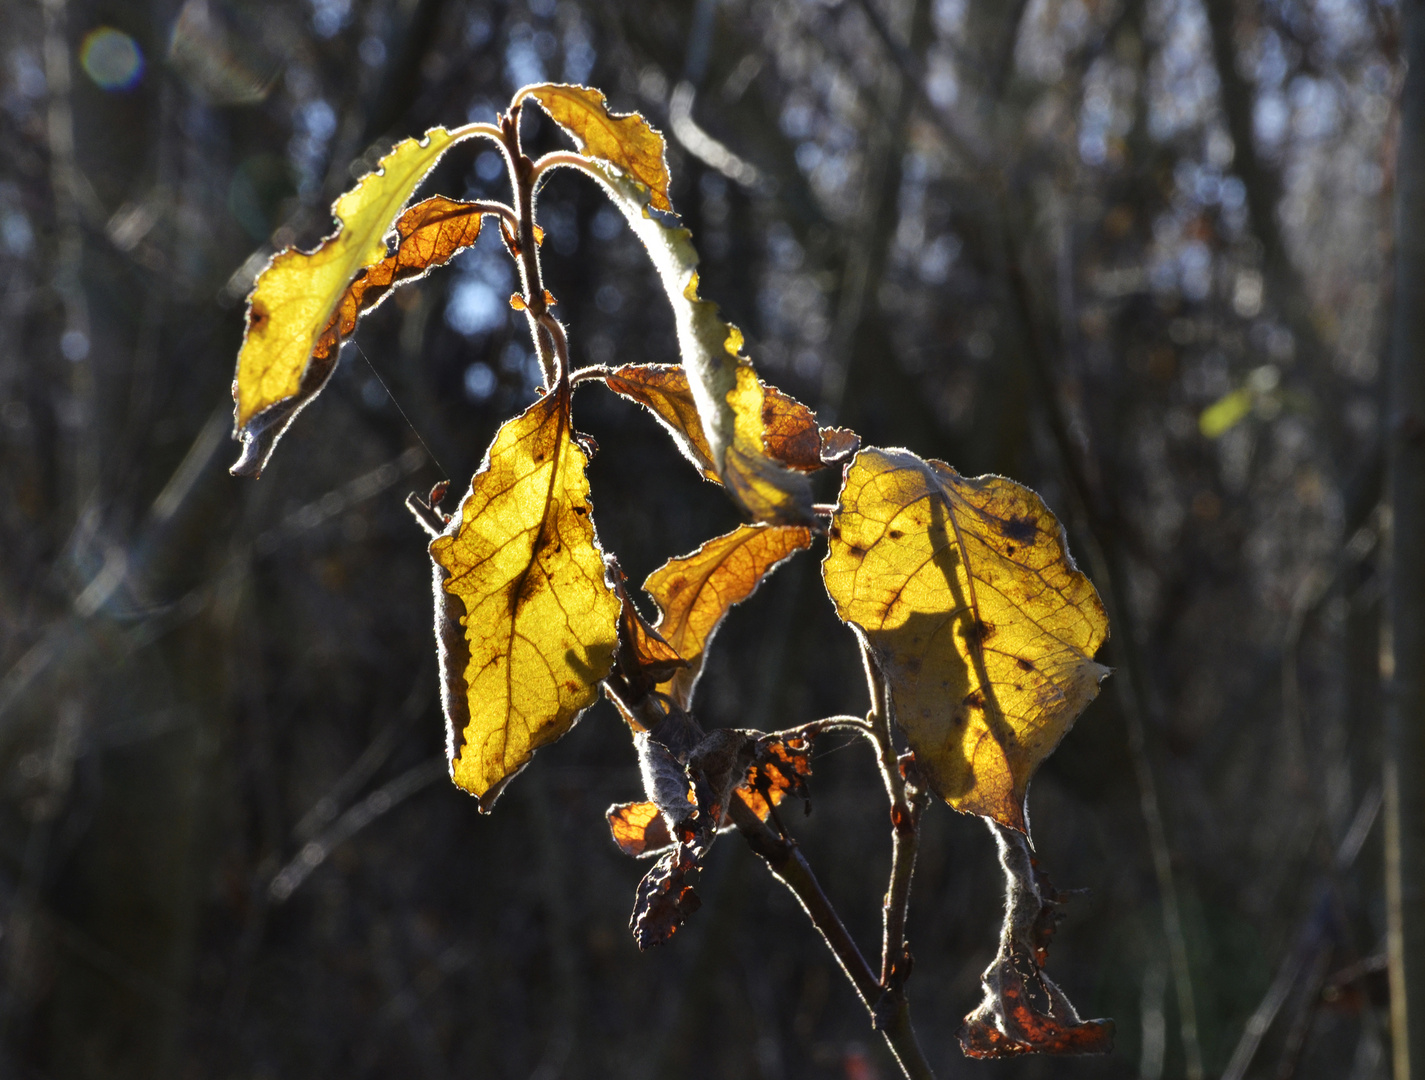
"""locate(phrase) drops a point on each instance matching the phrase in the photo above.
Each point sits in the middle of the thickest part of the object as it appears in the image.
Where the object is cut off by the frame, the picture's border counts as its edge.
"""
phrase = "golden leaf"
(724, 387)
(530, 624)
(695, 591)
(624, 140)
(296, 298)
(983, 626)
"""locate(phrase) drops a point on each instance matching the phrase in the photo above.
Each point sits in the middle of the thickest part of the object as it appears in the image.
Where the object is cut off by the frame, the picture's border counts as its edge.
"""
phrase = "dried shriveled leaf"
(638, 828)
(977, 615)
(1024, 1012)
(724, 387)
(621, 139)
(695, 591)
(300, 294)
(664, 899)
(527, 622)
(780, 770)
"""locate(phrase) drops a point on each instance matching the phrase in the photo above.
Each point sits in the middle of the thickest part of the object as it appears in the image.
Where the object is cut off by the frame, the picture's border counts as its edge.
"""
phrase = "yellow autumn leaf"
(695, 591)
(621, 139)
(724, 386)
(530, 624)
(295, 297)
(985, 629)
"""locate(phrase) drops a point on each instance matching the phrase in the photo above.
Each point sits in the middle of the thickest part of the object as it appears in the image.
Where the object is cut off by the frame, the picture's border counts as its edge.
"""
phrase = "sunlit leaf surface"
(539, 621)
(638, 828)
(663, 389)
(695, 591)
(982, 624)
(789, 429)
(624, 140)
(302, 301)
(723, 384)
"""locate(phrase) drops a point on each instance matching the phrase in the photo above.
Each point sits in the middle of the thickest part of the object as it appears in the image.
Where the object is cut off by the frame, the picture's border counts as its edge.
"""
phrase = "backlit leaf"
(723, 384)
(1024, 1011)
(624, 140)
(663, 389)
(983, 626)
(530, 622)
(780, 769)
(638, 828)
(302, 301)
(695, 591)
(790, 432)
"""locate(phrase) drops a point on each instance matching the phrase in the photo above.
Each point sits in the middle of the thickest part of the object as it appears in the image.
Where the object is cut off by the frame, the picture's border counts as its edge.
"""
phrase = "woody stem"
(787, 864)
(522, 179)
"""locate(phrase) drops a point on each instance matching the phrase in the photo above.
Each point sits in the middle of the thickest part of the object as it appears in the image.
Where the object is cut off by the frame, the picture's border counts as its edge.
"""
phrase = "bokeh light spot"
(111, 58)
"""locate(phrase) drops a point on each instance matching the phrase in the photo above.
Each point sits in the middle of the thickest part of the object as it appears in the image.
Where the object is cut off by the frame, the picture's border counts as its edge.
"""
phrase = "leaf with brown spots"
(303, 302)
(527, 622)
(622, 139)
(1024, 1011)
(695, 591)
(982, 625)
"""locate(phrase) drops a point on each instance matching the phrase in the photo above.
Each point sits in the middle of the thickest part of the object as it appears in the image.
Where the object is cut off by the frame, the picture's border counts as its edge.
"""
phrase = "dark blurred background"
(1133, 253)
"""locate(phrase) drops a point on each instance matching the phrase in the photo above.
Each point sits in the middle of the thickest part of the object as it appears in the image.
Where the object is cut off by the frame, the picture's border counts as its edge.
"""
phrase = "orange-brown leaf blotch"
(643, 659)
(695, 591)
(621, 139)
(638, 828)
(789, 430)
(780, 769)
(984, 627)
(663, 390)
(791, 434)
(527, 621)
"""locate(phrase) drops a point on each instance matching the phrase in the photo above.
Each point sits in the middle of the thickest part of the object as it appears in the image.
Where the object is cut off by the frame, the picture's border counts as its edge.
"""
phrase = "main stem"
(523, 177)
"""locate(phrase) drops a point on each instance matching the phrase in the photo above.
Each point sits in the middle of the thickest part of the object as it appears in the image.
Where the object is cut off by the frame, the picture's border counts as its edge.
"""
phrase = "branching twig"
(790, 867)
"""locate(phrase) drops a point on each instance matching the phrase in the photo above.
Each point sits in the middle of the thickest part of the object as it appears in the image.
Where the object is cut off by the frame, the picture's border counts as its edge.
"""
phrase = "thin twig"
(592, 373)
(825, 724)
(790, 867)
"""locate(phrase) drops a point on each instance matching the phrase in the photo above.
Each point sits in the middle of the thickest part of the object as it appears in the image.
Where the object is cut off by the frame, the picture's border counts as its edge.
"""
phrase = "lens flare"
(111, 58)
